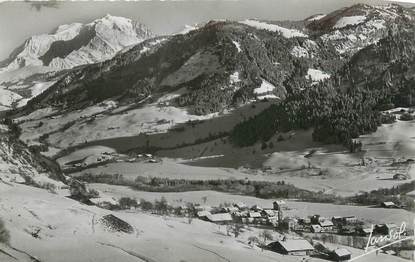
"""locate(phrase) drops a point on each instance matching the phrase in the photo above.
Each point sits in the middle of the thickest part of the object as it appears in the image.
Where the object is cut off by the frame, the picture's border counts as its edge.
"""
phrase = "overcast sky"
(20, 20)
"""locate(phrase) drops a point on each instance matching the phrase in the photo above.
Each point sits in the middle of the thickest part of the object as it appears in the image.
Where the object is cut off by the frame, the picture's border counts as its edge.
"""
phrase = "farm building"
(341, 254)
(400, 177)
(256, 208)
(279, 205)
(203, 214)
(268, 213)
(326, 225)
(297, 247)
(385, 229)
(364, 231)
(388, 204)
(221, 218)
(349, 220)
(241, 206)
(315, 228)
(255, 214)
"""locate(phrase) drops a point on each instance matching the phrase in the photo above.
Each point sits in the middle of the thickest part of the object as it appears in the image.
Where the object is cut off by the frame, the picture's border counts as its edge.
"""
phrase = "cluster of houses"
(241, 213)
(301, 247)
(106, 157)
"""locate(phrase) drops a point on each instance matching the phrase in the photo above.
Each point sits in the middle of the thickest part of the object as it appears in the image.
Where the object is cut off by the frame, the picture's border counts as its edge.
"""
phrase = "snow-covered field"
(53, 228)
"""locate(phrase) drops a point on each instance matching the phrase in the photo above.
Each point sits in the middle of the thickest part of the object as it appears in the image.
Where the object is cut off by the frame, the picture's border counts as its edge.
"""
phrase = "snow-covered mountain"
(353, 28)
(78, 44)
(42, 59)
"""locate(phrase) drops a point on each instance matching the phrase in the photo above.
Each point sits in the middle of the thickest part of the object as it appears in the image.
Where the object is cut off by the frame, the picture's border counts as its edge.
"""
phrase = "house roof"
(296, 245)
(203, 213)
(316, 227)
(388, 203)
(232, 209)
(254, 214)
(280, 202)
(220, 217)
(367, 230)
(342, 252)
(269, 212)
(240, 205)
(326, 223)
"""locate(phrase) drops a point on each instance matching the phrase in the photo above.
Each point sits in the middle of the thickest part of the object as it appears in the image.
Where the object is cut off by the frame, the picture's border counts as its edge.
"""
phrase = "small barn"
(400, 177)
(220, 218)
(279, 205)
(326, 225)
(388, 204)
(349, 220)
(255, 214)
(385, 229)
(203, 214)
(315, 228)
(341, 254)
(268, 213)
(296, 247)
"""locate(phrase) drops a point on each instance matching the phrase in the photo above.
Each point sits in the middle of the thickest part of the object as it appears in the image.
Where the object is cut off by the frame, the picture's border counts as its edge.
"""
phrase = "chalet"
(385, 229)
(241, 206)
(203, 214)
(326, 225)
(297, 247)
(268, 213)
(347, 229)
(349, 220)
(341, 254)
(255, 214)
(337, 220)
(304, 221)
(232, 210)
(364, 231)
(203, 208)
(220, 218)
(279, 205)
(315, 228)
(256, 208)
(388, 204)
(400, 177)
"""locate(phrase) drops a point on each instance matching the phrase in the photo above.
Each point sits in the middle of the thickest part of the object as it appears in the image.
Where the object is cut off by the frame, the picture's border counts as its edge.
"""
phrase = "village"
(300, 234)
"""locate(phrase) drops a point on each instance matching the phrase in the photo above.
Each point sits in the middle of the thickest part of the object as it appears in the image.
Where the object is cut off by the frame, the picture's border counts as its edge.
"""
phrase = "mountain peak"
(77, 44)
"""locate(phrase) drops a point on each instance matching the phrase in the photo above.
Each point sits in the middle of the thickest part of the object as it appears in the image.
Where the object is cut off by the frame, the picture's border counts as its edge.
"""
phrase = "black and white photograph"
(207, 131)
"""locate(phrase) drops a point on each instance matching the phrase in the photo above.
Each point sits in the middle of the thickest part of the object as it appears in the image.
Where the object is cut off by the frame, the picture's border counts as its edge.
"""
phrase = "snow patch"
(237, 45)
(349, 20)
(316, 75)
(234, 78)
(299, 51)
(316, 18)
(187, 29)
(266, 87)
(287, 33)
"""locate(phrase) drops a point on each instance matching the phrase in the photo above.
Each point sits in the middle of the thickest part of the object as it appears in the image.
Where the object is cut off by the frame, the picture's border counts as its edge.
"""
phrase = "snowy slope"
(286, 32)
(354, 28)
(104, 38)
(37, 64)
